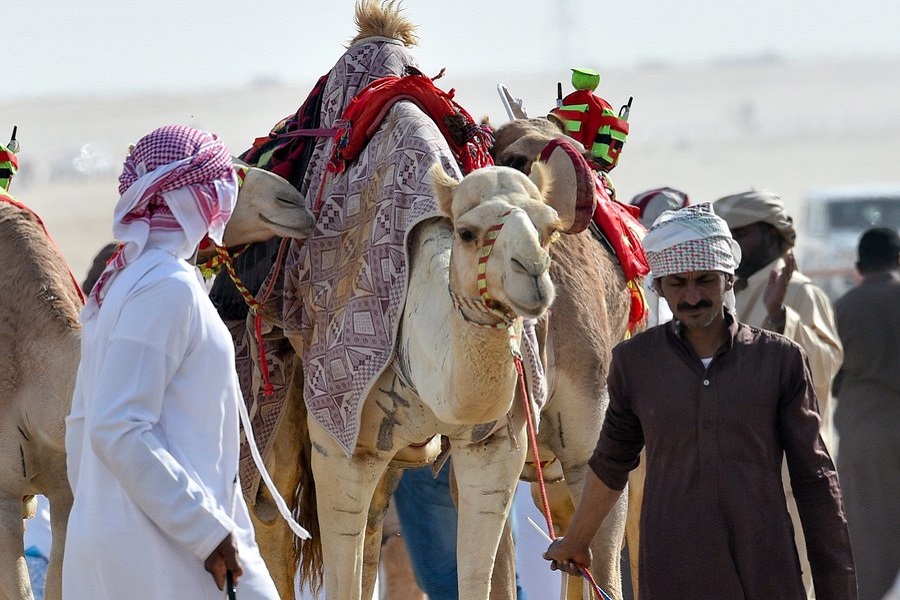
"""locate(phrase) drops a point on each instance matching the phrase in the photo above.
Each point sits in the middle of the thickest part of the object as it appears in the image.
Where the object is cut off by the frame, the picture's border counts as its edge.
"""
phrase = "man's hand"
(563, 556)
(773, 297)
(224, 558)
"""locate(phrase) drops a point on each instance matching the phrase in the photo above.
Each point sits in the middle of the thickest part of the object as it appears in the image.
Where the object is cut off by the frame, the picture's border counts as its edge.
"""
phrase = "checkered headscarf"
(179, 185)
(690, 239)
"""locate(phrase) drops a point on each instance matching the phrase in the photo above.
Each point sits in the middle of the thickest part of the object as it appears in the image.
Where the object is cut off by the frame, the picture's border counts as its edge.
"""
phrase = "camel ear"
(541, 177)
(444, 188)
(556, 120)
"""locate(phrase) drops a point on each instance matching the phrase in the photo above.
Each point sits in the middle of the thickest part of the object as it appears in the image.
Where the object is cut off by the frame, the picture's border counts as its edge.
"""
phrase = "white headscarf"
(693, 238)
(177, 185)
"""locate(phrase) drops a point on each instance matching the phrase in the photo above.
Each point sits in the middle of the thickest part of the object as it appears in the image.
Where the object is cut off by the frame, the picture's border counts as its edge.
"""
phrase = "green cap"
(585, 79)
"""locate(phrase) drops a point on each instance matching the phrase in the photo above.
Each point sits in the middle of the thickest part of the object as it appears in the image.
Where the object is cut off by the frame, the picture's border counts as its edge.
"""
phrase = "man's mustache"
(699, 305)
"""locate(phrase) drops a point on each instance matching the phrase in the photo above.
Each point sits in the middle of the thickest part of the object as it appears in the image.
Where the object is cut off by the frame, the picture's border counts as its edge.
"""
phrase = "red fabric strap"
(469, 143)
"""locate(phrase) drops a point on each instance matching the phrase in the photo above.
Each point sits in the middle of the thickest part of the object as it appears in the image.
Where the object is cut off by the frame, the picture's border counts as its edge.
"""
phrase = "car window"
(861, 215)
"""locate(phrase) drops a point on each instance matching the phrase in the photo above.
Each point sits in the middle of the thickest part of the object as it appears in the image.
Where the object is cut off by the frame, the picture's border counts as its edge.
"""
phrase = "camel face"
(517, 143)
(518, 266)
(268, 206)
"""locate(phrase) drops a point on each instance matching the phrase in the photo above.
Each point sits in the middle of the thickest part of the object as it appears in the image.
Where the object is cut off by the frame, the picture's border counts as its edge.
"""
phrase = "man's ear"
(729, 281)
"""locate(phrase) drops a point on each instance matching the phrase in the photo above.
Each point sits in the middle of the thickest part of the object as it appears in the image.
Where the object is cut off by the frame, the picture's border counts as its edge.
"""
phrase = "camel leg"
(273, 536)
(14, 582)
(579, 429)
(375, 529)
(562, 509)
(486, 476)
(60, 505)
(504, 576)
(345, 488)
(632, 523)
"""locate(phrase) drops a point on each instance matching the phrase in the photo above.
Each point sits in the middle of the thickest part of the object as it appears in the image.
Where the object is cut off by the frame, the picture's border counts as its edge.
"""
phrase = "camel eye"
(286, 201)
(465, 235)
(517, 162)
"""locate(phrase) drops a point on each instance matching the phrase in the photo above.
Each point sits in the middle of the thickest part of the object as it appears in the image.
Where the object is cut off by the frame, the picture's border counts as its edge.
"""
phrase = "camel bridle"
(505, 319)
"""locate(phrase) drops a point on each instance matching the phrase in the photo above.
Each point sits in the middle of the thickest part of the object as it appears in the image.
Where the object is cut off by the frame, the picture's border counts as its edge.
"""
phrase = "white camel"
(457, 380)
(459, 376)
(39, 354)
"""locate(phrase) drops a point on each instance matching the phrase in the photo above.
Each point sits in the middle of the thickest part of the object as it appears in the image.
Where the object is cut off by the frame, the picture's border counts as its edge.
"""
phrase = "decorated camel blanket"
(344, 287)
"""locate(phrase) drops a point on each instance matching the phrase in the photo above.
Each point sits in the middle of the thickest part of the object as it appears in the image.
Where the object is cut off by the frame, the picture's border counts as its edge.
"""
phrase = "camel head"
(267, 206)
(518, 266)
(519, 142)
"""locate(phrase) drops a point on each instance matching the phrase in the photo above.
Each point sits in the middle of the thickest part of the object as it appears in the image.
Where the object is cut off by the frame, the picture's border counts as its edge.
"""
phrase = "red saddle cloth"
(580, 197)
(619, 224)
(469, 142)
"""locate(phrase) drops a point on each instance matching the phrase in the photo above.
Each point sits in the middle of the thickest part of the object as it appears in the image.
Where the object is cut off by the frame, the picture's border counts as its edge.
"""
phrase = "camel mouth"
(534, 304)
(530, 311)
(297, 231)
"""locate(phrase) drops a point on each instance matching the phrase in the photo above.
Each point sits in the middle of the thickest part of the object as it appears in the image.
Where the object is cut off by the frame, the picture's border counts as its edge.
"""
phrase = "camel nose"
(534, 268)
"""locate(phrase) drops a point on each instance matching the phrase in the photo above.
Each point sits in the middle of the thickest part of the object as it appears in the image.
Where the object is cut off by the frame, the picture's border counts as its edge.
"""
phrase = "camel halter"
(485, 304)
(507, 320)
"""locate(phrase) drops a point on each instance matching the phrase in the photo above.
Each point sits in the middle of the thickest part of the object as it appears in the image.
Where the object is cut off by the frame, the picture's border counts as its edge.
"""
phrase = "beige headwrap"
(746, 208)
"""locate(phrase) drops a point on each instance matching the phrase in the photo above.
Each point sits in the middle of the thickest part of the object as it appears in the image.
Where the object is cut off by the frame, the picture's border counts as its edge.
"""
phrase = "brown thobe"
(868, 421)
(714, 522)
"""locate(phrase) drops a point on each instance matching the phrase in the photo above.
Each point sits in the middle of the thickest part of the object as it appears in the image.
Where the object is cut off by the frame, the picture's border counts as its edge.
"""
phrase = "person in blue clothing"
(428, 519)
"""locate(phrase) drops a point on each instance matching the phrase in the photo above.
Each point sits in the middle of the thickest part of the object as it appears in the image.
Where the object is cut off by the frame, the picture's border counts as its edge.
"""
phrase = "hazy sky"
(103, 46)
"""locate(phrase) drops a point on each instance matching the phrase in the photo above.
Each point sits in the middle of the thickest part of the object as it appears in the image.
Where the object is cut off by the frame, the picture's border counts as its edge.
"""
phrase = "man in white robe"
(152, 439)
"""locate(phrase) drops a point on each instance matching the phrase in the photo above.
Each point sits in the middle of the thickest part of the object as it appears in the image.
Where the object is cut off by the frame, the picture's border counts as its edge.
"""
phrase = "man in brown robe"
(868, 414)
(717, 404)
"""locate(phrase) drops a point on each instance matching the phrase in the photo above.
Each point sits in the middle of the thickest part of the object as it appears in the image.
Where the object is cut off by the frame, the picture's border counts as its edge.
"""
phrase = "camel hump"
(383, 19)
(38, 283)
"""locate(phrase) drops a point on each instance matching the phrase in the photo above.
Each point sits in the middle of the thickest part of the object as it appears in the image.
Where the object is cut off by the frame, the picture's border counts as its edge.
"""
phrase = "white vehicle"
(833, 221)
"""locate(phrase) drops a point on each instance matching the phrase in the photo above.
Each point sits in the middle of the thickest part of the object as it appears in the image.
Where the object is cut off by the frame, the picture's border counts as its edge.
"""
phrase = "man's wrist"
(777, 322)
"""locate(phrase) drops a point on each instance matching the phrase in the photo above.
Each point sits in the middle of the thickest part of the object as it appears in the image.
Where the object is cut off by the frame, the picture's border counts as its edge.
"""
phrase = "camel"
(40, 338)
(454, 380)
(452, 390)
(582, 397)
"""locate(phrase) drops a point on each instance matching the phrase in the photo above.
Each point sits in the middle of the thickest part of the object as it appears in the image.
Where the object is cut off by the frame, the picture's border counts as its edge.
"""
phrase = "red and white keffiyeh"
(177, 186)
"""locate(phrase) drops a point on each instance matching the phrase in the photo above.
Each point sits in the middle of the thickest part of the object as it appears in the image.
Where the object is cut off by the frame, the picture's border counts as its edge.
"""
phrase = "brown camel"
(39, 353)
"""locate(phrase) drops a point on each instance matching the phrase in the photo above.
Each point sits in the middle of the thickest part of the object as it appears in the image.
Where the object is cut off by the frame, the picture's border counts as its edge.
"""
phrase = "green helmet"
(9, 164)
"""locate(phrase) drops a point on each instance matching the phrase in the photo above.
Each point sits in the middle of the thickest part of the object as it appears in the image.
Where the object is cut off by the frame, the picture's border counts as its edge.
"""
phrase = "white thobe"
(810, 322)
(152, 443)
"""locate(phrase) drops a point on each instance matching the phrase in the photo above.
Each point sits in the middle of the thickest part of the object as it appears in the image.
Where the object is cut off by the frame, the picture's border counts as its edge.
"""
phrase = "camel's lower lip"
(295, 232)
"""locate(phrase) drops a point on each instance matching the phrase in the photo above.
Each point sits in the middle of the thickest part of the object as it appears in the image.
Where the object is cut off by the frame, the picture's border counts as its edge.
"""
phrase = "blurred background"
(790, 95)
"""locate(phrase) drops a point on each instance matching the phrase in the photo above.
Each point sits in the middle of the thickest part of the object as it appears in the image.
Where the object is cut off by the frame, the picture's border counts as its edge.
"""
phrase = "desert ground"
(709, 130)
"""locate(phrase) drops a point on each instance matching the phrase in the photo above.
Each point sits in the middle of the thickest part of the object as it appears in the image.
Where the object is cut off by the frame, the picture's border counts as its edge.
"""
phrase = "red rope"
(545, 503)
(268, 389)
(256, 305)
